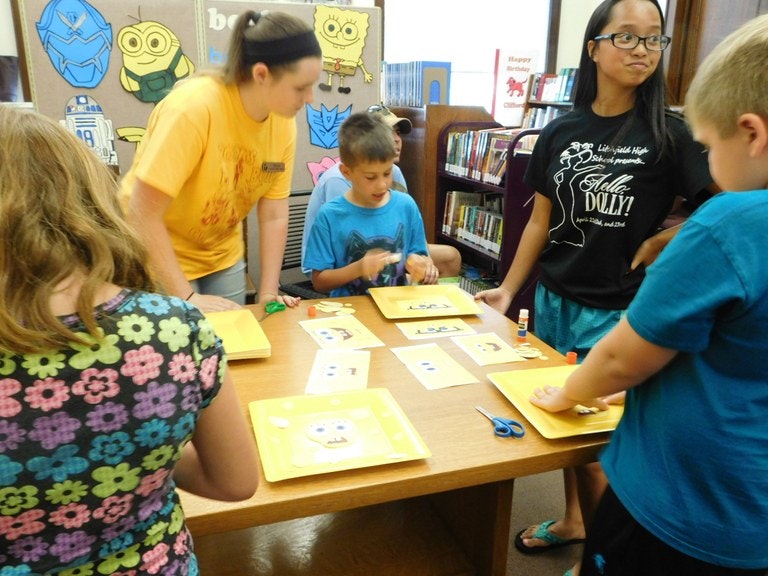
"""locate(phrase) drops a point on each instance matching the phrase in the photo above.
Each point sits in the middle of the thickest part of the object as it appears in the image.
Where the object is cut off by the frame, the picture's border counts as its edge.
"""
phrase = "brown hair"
(60, 215)
(263, 27)
(365, 137)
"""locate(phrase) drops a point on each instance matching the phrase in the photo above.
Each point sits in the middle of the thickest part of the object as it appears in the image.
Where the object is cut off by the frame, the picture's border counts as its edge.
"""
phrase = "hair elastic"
(282, 50)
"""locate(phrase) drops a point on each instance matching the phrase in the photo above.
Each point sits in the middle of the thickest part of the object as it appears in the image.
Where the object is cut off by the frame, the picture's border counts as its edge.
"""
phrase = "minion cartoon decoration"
(342, 35)
(78, 41)
(152, 60)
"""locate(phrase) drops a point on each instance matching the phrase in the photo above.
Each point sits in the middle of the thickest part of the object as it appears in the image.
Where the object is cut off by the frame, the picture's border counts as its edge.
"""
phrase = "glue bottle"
(522, 325)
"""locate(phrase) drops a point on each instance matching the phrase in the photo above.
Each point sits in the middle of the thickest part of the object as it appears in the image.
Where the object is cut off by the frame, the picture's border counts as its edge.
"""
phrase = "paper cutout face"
(337, 433)
(78, 41)
(341, 34)
(152, 60)
(324, 125)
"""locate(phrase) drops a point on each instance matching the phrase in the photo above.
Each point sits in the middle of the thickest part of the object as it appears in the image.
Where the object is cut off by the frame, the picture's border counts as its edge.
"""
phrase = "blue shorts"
(568, 326)
(227, 283)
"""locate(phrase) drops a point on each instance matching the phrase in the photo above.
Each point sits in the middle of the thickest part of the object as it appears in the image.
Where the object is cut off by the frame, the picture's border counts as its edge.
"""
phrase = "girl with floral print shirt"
(111, 396)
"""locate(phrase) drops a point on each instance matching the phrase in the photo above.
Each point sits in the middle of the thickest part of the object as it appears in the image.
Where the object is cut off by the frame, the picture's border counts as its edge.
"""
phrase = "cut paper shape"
(433, 366)
(487, 349)
(338, 371)
(437, 328)
(153, 60)
(78, 41)
(341, 34)
(317, 169)
(85, 118)
(324, 125)
(340, 332)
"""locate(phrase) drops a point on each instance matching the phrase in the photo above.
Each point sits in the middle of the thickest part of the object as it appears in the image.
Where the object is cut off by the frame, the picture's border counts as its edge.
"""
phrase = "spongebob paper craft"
(340, 332)
(338, 371)
(78, 41)
(433, 366)
(85, 118)
(152, 60)
(487, 349)
(324, 125)
(342, 35)
(437, 328)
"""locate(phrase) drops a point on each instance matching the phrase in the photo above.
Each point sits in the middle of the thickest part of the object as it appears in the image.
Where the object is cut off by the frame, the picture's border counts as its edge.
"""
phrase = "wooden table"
(470, 474)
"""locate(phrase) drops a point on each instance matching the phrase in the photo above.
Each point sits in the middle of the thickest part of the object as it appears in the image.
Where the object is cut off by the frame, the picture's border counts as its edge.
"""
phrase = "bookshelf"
(474, 231)
(549, 96)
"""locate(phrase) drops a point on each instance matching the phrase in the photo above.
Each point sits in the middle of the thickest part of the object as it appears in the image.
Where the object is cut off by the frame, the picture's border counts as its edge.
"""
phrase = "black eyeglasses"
(629, 41)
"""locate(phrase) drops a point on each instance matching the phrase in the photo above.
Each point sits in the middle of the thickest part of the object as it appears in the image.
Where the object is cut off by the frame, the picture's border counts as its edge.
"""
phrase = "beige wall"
(574, 16)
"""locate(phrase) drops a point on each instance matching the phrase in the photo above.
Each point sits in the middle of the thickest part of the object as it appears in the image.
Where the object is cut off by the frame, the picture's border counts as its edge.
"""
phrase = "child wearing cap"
(688, 464)
(371, 235)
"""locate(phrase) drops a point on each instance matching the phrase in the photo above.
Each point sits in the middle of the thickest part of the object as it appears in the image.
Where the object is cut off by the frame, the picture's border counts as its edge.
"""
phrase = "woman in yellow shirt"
(215, 146)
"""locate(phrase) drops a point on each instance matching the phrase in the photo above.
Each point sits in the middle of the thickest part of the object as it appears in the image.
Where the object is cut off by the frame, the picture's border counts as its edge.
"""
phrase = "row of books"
(558, 87)
(538, 117)
(475, 217)
(416, 83)
(473, 280)
(482, 154)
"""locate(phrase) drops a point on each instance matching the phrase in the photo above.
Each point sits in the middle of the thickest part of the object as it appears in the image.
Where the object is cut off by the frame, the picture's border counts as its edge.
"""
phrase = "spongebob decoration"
(342, 35)
(152, 60)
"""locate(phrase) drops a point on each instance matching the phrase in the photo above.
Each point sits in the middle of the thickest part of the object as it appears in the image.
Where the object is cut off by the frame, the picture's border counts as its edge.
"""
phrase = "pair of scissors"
(272, 307)
(504, 427)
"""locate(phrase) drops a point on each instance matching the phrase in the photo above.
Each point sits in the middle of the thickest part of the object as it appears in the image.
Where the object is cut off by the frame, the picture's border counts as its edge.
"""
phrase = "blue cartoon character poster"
(100, 66)
(78, 41)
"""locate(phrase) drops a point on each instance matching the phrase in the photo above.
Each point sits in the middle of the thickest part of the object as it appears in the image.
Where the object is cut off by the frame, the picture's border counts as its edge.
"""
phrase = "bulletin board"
(100, 66)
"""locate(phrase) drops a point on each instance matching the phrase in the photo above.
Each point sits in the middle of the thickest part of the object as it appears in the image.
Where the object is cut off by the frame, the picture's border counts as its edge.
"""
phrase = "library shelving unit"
(517, 204)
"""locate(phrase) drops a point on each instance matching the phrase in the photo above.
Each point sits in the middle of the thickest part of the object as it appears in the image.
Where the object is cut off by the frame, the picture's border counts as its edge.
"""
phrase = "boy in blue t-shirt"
(372, 235)
(688, 464)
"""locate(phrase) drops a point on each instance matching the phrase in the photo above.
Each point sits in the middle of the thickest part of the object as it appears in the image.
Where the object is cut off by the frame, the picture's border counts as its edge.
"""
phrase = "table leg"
(479, 518)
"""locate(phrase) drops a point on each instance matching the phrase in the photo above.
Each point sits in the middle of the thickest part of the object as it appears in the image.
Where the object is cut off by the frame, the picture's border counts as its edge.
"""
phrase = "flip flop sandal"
(542, 533)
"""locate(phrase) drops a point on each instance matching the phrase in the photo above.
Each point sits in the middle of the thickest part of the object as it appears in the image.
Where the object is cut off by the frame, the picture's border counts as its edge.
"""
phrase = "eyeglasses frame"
(642, 39)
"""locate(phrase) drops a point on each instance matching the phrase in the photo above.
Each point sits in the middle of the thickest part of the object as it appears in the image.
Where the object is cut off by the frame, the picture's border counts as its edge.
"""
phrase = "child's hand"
(553, 399)
(374, 262)
(422, 269)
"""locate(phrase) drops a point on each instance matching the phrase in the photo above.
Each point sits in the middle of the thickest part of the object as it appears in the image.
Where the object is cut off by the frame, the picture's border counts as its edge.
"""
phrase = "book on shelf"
(511, 80)
(473, 280)
(454, 201)
(416, 83)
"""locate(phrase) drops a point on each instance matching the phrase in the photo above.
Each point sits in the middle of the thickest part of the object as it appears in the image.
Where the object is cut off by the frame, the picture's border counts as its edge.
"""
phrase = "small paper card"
(433, 367)
(487, 349)
(436, 328)
(340, 332)
(338, 371)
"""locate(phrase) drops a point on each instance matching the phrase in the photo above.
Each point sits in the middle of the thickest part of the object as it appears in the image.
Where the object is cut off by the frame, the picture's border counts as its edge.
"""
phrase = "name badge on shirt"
(273, 166)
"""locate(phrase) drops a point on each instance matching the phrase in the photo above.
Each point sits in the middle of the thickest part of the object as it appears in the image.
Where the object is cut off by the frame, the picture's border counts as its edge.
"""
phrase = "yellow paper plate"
(241, 334)
(315, 434)
(518, 386)
(424, 301)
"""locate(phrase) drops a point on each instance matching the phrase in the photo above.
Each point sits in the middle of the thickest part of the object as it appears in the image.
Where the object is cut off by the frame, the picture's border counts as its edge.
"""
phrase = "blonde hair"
(60, 215)
(732, 80)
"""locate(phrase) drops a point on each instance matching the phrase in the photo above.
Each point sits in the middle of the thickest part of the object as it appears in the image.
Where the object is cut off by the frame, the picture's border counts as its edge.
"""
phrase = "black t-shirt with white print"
(607, 198)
